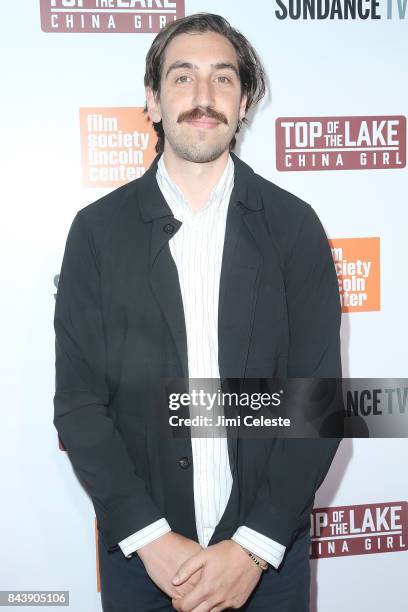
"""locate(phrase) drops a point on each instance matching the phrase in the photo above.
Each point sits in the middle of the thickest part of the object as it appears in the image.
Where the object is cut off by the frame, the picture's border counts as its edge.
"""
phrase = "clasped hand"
(228, 577)
(211, 579)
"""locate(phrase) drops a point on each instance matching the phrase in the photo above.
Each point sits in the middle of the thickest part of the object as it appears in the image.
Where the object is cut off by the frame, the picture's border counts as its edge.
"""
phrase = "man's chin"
(202, 155)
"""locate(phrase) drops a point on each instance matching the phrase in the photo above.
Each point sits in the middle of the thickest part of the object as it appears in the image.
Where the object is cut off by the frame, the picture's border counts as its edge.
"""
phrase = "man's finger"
(188, 568)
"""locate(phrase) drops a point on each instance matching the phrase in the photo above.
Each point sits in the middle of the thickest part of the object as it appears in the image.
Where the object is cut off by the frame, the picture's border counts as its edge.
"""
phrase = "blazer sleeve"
(296, 467)
(81, 403)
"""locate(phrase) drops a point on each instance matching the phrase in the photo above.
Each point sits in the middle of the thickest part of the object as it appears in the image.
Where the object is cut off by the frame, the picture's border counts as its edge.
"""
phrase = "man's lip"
(203, 122)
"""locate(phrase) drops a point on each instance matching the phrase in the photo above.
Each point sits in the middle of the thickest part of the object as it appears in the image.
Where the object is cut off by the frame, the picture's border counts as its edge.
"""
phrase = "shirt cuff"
(144, 536)
(260, 545)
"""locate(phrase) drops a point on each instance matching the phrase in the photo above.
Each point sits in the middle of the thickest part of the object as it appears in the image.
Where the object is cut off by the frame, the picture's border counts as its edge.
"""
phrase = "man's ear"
(153, 105)
(242, 106)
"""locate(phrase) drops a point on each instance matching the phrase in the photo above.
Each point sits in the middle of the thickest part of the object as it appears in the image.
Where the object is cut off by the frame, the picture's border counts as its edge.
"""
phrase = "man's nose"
(203, 93)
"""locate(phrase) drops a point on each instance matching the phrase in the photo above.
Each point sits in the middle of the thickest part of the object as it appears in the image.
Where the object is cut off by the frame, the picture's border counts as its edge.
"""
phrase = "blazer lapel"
(165, 284)
(240, 270)
(163, 270)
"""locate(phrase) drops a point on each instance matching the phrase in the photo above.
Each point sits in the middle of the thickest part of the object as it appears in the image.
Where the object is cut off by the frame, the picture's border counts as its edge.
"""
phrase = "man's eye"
(223, 79)
(182, 79)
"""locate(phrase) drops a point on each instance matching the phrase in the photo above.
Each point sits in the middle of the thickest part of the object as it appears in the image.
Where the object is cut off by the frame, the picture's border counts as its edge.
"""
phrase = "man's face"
(200, 99)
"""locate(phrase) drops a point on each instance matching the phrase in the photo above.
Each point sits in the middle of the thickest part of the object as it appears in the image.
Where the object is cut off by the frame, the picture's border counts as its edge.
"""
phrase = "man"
(200, 268)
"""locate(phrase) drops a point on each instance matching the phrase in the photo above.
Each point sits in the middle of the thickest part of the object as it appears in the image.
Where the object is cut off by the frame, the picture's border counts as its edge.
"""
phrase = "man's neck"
(195, 180)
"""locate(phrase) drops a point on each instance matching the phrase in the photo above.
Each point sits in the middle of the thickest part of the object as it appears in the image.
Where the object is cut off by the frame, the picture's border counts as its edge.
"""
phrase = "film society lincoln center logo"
(340, 143)
(115, 16)
(117, 145)
(357, 263)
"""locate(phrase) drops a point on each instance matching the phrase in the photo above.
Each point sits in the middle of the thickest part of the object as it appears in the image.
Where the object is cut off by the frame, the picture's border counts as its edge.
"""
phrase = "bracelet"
(263, 567)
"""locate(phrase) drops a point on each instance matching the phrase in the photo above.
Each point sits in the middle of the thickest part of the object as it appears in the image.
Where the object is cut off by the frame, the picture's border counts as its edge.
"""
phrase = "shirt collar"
(217, 196)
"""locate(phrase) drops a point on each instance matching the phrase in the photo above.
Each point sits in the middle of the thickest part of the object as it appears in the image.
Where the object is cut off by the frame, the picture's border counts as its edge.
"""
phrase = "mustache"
(198, 112)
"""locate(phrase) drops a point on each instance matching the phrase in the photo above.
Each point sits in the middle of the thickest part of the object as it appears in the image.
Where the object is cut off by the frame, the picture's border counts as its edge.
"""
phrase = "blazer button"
(168, 228)
(184, 462)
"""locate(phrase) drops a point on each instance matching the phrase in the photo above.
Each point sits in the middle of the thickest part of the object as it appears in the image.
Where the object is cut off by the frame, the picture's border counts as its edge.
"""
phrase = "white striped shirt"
(197, 249)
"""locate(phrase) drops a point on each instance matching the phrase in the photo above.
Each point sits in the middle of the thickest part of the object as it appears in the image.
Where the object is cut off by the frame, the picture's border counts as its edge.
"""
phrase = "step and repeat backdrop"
(332, 130)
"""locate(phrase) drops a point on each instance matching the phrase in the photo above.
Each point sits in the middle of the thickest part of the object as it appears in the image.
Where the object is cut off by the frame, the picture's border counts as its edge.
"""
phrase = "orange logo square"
(117, 145)
(357, 262)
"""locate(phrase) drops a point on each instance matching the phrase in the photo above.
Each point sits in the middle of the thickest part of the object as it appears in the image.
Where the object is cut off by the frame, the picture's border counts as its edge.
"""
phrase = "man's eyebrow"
(190, 66)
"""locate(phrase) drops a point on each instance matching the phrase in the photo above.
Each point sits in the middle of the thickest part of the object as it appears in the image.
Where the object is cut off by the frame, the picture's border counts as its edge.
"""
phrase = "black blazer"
(120, 329)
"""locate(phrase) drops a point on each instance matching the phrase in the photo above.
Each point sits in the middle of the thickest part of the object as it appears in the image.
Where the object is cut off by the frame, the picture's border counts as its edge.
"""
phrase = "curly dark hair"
(251, 71)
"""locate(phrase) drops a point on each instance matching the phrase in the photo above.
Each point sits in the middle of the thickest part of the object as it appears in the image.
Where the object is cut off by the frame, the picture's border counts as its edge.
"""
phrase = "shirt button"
(184, 462)
(168, 228)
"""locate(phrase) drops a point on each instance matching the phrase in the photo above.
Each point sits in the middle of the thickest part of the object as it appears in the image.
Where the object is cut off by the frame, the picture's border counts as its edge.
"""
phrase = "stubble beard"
(196, 153)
